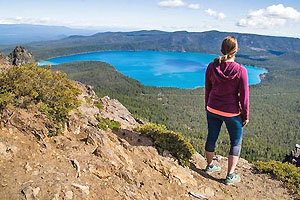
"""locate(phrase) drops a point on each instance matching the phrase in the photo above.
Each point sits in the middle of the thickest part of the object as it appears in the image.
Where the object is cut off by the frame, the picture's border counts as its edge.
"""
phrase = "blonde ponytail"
(229, 49)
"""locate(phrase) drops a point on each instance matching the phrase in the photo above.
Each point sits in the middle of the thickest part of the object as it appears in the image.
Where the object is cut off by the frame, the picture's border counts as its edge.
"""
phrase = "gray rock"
(95, 136)
(20, 56)
(90, 91)
(36, 191)
(198, 160)
(76, 165)
(83, 188)
(30, 192)
(294, 157)
(27, 167)
(114, 110)
(68, 195)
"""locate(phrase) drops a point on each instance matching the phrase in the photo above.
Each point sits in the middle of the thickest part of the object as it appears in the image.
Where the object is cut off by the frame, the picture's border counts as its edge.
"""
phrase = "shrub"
(88, 100)
(106, 123)
(5, 99)
(283, 171)
(99, 105)
(172, 141)
(22, 85)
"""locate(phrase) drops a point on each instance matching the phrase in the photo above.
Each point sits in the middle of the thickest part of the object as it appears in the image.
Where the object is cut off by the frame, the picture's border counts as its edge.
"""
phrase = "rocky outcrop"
(85, 162)
(294, 156)
(20, 56)
(114, 110)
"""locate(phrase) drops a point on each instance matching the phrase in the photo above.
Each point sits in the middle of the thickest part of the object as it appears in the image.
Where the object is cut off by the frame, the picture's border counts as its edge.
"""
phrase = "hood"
(226, 71)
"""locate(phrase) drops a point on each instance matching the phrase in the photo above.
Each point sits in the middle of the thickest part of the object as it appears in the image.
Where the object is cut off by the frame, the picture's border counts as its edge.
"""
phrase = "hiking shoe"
(232, 179)
(212, 168)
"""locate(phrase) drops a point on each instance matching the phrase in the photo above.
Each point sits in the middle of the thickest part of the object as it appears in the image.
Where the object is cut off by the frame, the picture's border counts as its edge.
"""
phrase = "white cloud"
(215, 14)
(178, 3)
(272, 16)
(27, 20)
(171, 3)
(194, 6)
(283, 12)
(44, 21)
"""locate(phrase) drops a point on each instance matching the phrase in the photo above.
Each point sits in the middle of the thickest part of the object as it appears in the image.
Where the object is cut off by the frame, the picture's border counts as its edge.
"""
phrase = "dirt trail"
(50, 169)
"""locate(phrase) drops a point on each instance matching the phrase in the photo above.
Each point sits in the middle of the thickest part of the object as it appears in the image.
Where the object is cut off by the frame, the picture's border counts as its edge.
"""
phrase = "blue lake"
(156, 68)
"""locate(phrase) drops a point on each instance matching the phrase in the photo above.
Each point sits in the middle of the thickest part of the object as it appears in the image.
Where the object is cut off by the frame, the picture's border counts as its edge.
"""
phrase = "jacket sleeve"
(208, 85)
(244, 94)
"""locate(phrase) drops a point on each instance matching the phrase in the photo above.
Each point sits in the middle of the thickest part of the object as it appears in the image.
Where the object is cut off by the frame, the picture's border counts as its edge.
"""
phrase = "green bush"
(172, 141)
(5, 99)
(99, 105)
(88, 100)
(23, 85)
(106, 123)
(283, 171)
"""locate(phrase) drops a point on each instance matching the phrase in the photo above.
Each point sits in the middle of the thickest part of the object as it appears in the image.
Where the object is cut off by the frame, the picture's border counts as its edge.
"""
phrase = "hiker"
(226, 100)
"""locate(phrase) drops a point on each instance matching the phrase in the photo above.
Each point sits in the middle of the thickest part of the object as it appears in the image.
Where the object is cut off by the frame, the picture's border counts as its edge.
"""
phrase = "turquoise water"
(155, 68)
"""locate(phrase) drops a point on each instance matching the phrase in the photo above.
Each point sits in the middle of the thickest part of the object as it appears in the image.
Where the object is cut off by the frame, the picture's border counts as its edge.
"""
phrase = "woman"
(226, 100)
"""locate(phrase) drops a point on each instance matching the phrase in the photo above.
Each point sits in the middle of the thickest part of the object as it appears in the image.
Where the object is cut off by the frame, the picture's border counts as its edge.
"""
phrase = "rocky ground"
(88, 163)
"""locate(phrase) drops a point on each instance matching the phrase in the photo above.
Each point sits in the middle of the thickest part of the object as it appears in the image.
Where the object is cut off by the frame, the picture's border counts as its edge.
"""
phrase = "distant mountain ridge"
(252, 47)
(25, 33)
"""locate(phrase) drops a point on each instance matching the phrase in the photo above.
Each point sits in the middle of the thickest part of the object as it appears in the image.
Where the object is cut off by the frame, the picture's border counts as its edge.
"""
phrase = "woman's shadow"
(204, 174)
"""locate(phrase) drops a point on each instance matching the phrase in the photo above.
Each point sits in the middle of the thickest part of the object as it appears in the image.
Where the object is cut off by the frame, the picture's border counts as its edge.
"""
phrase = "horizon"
(272, 18)
(137, 30)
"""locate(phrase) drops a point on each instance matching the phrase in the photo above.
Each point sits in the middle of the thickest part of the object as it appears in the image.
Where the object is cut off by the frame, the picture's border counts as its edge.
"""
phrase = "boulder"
(114, 110)
(20, 56)
(30, 193)
(294, 156)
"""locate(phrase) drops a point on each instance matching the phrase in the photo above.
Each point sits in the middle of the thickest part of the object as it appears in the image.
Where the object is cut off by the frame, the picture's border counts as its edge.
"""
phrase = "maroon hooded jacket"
(226, 88)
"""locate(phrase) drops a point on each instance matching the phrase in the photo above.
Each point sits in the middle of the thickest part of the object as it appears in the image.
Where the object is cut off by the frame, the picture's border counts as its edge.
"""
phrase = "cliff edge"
(95, 153)
(85, 162)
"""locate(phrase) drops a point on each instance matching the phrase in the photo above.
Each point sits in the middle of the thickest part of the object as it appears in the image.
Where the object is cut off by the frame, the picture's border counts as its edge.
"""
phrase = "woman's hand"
(245, 122)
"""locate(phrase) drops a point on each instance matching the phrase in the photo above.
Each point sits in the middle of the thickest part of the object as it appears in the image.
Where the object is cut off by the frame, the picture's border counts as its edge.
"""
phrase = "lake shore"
(157, 68)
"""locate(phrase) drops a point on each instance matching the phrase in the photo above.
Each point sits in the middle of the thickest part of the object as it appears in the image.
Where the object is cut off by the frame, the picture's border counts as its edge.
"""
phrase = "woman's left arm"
(244, 94)
(208, 85)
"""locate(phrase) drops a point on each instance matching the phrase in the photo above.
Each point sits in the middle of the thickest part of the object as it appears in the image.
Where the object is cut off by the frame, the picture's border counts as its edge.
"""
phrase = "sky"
(267, 17)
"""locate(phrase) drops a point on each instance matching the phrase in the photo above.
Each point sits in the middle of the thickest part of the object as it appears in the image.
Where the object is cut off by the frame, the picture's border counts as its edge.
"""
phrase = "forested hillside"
(275, 109)
(274, 115)
(253, 47)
